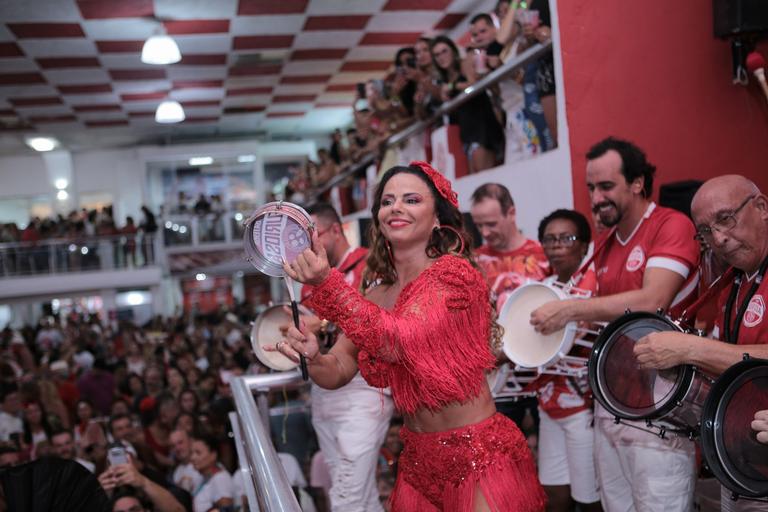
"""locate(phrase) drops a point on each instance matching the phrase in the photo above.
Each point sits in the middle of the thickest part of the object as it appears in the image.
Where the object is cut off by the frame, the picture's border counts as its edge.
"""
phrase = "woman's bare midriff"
(453, 415)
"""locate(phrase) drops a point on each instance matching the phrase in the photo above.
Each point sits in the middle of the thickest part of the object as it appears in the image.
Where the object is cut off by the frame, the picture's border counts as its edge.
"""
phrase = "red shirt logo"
(636, 259)
(755, 311)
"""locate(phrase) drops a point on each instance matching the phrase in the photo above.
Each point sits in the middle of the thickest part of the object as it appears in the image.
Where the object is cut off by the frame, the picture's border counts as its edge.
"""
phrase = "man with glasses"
(350, 422)
(731, 217)
(647, 261)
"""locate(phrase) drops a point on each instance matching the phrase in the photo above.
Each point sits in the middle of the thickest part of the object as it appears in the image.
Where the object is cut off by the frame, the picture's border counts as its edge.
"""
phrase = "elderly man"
(731, 216)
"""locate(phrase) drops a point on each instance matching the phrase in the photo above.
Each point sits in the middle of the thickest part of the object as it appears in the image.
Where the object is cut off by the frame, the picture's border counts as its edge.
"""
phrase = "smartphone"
(361, 90)
(411, 62)
(117, 455)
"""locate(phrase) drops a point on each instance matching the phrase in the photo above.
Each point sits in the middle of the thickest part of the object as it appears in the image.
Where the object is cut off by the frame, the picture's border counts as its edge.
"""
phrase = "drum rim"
(253, 253)
(711, 438)
(682, 383)
(255, 327)
(568, 331)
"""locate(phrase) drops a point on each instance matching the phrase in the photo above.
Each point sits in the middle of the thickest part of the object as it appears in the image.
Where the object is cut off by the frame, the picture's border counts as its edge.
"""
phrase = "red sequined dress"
(432, 349)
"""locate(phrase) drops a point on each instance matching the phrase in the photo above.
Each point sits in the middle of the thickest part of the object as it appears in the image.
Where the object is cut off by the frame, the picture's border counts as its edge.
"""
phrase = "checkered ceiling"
(72, 68)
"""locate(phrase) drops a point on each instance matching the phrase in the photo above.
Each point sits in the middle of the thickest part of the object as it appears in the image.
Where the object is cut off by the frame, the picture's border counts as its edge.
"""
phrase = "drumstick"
(295, 311)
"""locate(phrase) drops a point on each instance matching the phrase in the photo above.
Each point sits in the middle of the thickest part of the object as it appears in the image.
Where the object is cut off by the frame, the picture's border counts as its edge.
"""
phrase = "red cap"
(755, 61)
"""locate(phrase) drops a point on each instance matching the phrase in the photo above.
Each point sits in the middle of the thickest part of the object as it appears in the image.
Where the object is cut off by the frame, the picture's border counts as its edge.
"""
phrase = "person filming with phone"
(132, 491)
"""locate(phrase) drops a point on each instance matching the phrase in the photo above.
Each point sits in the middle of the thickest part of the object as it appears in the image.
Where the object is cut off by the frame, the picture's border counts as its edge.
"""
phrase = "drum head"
(266, 331)
(619, 385)
(277, 232)
(728, 442)
(521, 343)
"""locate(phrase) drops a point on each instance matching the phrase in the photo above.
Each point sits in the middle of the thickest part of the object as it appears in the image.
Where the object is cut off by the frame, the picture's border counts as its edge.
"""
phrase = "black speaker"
(679, 195)
(738, 17)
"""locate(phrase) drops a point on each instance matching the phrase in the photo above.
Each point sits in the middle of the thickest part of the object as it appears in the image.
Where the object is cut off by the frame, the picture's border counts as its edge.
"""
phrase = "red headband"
(440, 182)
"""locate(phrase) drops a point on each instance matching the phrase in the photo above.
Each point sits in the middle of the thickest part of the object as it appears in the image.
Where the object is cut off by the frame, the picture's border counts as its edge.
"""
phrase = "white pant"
(351, 424)
(566, 454)
(645, 477)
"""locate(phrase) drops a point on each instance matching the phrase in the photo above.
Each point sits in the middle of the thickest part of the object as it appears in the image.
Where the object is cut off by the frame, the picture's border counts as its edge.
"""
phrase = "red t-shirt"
(663, 239)
(505, 271)
(754, 326)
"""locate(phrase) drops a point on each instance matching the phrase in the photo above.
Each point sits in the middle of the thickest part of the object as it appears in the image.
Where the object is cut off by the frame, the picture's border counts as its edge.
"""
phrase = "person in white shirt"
(10, 409)
(184, 475)
(217, 488)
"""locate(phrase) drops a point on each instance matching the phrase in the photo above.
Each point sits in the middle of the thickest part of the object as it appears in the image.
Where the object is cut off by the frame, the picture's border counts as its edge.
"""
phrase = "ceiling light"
(200, 277)
(62, 195)
(244, 159)
(61, 183)
(169, 111)
(42, 143)
(201, 160)
(160, 50)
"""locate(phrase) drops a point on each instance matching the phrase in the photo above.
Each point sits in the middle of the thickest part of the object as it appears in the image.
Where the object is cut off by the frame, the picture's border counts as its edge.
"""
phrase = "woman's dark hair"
(401, 51)
(455, 62)
(634, 163)
(208, 440)
(583, 231)
(43, 423)
(453, 239)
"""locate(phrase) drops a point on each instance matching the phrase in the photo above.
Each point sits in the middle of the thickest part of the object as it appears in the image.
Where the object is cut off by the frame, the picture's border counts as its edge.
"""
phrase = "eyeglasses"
(564, 240)
(726, 221)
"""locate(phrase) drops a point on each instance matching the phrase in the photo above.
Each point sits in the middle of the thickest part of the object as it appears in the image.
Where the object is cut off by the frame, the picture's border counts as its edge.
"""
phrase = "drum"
(728, 442)
(266, 331)
(667, 399)
(509, 385)
(277, 232)
(525, 347)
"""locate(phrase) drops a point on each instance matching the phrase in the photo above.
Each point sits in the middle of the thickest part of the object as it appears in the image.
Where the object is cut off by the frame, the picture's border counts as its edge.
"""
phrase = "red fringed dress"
(432, 349)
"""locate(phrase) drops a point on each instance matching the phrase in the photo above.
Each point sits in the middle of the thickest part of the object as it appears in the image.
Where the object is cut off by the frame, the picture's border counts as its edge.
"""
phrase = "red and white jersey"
(754, 325)
(505, 271)
(352, 266)
(662, 239)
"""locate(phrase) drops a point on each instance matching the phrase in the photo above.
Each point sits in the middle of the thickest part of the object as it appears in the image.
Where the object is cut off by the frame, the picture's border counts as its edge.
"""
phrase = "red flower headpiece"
(441, 183)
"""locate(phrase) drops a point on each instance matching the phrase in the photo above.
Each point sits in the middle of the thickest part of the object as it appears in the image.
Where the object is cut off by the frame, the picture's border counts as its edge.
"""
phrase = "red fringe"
(432, 348)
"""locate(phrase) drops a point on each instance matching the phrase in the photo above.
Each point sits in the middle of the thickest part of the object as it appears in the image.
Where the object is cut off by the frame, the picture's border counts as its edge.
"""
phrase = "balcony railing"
(188, 229)
(80, 254)
(266, 484)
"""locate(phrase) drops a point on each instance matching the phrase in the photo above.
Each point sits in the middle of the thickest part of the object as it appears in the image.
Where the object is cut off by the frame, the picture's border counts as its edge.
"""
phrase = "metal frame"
(268, 489)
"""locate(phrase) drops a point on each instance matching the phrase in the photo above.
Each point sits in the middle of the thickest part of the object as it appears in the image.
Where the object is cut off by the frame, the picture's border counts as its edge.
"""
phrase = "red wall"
(652, 72)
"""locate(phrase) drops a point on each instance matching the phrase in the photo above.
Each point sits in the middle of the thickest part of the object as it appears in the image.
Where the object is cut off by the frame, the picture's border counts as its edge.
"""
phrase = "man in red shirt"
(507, 259)
(351, 422)
(731, 216)
(648, 261)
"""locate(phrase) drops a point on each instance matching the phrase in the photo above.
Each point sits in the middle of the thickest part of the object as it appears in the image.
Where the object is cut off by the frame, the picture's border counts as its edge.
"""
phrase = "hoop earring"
(456, 233)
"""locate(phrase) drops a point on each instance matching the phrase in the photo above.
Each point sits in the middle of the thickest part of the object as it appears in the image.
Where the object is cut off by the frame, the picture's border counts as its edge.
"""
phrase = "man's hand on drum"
(662, 350)
(296, 342)
(311, 266)
(551, 316)
(760, 425)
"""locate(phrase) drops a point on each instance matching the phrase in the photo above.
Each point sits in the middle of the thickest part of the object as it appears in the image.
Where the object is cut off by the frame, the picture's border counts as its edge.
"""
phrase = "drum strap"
(732, 336)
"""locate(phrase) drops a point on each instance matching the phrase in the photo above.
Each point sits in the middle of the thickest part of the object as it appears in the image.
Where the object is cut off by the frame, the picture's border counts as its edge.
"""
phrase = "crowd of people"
(509, 122)
(71, 242)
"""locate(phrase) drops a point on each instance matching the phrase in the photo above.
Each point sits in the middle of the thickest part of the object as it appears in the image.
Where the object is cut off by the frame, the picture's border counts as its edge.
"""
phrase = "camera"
(117, 455)
(411, 62)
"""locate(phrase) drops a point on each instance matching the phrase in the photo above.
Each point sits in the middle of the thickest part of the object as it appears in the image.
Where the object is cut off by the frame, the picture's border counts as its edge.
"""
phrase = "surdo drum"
(728, 443)
(668, 400)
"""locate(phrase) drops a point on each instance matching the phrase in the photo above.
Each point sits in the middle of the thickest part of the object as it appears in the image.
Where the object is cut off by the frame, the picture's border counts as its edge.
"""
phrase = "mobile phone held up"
(117, 455)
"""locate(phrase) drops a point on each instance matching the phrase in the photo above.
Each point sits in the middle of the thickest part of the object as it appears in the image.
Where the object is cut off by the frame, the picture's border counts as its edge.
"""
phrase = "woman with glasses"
(566, 438)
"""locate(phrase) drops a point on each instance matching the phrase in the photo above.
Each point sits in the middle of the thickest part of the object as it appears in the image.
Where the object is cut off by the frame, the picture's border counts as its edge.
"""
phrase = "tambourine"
(275, 234)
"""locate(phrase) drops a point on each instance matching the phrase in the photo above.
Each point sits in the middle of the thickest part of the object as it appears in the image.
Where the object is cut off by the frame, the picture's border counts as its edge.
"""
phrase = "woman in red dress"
(424, 329)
